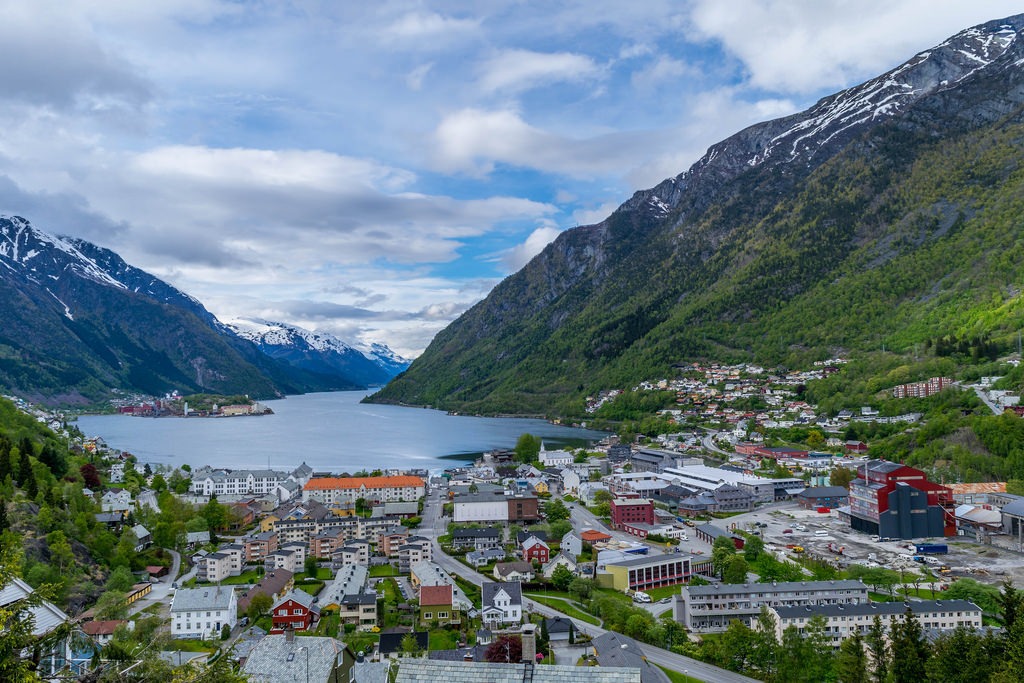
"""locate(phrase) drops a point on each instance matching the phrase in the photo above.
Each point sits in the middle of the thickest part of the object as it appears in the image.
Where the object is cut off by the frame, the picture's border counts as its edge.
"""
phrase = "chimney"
(289, 635)
(529, 643)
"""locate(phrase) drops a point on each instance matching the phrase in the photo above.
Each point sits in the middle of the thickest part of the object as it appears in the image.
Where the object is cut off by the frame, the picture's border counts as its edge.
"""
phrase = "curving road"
(432, 522)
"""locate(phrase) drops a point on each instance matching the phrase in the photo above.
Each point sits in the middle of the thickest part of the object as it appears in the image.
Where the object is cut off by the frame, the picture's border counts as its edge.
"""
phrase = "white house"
(202, 612)
(554, 458)
(502, 603)
(116, 500)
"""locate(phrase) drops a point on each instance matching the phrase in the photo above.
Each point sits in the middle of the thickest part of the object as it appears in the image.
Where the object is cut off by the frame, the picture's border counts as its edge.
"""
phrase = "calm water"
(330, 431)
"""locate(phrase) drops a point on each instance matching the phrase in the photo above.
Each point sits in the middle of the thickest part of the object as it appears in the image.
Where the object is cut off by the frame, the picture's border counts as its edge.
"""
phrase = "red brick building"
(631, 510)
(896, 501)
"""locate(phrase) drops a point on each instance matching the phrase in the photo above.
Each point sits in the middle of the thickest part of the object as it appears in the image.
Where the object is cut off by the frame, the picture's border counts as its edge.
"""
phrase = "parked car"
(787, 531)
(800, 527)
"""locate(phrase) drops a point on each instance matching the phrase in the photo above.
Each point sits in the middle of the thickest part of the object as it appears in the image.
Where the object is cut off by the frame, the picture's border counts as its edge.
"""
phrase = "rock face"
(321, 353)
(873, 217)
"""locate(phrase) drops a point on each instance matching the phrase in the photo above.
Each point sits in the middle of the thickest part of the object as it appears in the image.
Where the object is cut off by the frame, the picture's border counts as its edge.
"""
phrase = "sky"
(373, 169)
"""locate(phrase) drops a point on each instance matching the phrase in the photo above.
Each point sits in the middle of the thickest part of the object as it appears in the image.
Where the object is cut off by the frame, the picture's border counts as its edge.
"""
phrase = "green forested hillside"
(909, 237)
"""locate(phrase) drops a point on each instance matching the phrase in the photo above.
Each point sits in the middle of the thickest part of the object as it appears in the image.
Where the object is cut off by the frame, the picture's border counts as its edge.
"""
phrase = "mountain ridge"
(711, 262)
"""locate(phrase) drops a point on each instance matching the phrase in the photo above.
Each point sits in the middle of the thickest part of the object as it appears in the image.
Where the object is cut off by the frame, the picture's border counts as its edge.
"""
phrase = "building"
(631, 510)
(616, 651)
(557, 458)
(479, 558)
(359, 609)
(202, 612)
(275, 584)
(414, 670)
(704, 478)
(102, 632)
(644, 572)
(296, 611)
(514, 571)
(477, 539)
(496, 507)
(1012, 514)
(922, 389)
(823, 497)
(207, 481)
(286, 659)
(707, 609)
(892, 500)
(501, 604)
(436, 605)
(373, 490)
(417, 549)
(976, 494)
(350, 580)
(534, 549)
(653, 460)
(258, 546)
(215, 567)
(46, 618)
(709, 533)
(843, 620)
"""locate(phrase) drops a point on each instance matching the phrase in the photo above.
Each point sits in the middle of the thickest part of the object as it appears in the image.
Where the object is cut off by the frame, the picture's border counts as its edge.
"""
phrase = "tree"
(1010, 604)
(753, 548)
(561, 578)
(878, 647)
(361, 506)
(735, 570)
(764, 649)
(310, 566)
(120, 580)
(963, 656)
(909, 649)
(159, 484)
(505, 648)
(556, 511)
(111, 605)
(16, 616)
(215, 514)
(721, 551)
(841, 476)
(259, 605)
(602, 496)
(527, 449)
(225, 631)
(560, 528)
(410, 646)
(852, 661)
(90, 476)
(581, 588)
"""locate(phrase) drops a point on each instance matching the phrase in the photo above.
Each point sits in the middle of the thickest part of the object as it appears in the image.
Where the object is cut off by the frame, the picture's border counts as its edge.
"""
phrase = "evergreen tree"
(1010, 603)
(5, 458)
(24, 468)
(878, 649)
(764, 652)
(910, 650)
(1012, 668)
(30, 484)
(852, 661)
(963, 656)
(4, 522)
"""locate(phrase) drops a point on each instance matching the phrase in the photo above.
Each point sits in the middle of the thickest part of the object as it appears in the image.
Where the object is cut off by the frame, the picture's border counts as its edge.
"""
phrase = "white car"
(800, 527)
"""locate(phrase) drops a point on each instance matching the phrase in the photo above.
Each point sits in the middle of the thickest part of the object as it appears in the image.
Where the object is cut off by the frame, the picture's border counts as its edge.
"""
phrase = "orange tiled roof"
(321, 483)
(435, 595)
(591, 535)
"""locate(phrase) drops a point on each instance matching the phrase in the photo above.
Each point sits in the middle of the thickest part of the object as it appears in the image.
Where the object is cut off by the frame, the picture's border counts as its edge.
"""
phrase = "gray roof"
(209, 597)
(782, 587)
(475, 533)
(1015, 508)
(491, 588)
(301, 597)
(644, 560)
(882, 609)
(431, 671)
(276, 659)
(46, 616)
(824, 492)
(616, 650)
(714, 531)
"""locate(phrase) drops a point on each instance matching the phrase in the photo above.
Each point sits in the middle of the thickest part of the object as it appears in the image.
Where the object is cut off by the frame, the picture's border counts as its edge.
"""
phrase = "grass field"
(564, 606)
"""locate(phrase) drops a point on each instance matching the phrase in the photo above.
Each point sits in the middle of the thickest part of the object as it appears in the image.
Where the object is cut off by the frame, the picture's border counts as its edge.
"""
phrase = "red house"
(535, 549)
(631, 510)
(295, 610)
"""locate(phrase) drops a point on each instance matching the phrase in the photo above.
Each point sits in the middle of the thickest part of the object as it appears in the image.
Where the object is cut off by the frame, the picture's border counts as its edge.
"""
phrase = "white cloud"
(661, 71)
(429, 25)
(514, 71)
(596, 214)
(518, 256)
(414, 79)
(805, 45)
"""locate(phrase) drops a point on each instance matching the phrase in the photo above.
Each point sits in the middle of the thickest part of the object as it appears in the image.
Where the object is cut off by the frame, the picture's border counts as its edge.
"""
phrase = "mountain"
(79, 322)
(886, 214)
(321, 353)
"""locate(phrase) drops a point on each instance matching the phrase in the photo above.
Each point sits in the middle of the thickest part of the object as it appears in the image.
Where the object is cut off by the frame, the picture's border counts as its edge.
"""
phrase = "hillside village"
(396, 569)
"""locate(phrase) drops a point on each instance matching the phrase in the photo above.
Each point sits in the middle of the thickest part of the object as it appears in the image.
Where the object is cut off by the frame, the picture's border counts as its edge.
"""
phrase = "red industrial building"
(896, 501)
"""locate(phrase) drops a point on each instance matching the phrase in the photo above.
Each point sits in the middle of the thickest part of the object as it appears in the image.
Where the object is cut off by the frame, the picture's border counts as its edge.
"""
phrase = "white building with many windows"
(207, 481)
(202, 612)
(843, 620)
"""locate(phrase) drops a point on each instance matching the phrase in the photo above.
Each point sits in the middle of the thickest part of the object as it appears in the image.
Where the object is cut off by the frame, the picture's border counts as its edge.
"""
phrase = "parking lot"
(822, 535)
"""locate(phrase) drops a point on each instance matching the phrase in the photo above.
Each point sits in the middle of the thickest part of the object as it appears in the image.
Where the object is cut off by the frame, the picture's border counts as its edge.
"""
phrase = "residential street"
(581, 518)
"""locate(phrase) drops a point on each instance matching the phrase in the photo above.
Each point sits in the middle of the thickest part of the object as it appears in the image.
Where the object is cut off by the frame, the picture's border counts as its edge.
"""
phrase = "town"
(623, 556)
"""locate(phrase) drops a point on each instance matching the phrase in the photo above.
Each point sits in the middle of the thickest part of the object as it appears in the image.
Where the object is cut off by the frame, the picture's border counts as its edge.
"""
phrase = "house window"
(442, 615)
(428, 615)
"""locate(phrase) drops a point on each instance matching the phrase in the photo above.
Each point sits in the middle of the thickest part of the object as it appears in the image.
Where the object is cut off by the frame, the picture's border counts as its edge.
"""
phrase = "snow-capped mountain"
(320, 352)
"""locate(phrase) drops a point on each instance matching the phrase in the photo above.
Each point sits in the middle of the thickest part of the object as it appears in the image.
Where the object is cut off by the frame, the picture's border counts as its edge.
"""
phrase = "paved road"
(161, 590)
(691, 667)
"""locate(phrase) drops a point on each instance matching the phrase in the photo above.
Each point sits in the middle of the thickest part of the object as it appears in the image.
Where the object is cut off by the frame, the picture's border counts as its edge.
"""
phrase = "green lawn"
(383, 570)
(189, 645)
(251, 576)
(329, 625)
(311, 587)
(322, 573)
(664, 592)
(443, 639)
(565, 607)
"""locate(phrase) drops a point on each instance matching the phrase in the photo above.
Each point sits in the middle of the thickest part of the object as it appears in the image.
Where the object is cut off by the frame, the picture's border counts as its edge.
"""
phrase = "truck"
(932, 548)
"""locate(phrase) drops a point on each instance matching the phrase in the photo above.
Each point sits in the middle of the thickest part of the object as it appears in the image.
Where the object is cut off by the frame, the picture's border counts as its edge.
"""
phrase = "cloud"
(514, 71)
(414, 79)
(805, 45)
(519, 255)
(429, 25)
(50, 60)
(659, 72)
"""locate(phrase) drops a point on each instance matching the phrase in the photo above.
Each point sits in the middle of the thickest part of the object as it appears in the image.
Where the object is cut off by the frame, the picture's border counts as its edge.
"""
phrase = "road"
(161, 590)
(709, 443)
(432, 521)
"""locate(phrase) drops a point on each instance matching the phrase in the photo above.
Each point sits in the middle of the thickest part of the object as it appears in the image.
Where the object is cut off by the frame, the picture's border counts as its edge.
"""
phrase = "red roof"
(435, 595)
(593, 536)
(322, 483)
(101, 628)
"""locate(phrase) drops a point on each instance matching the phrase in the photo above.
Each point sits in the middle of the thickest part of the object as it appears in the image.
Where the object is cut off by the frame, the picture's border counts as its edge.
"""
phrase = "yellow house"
(540, 486)
(268, 522)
